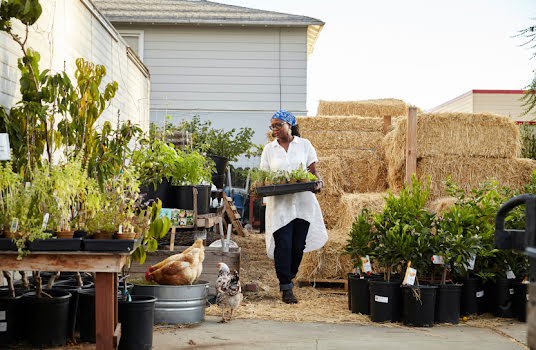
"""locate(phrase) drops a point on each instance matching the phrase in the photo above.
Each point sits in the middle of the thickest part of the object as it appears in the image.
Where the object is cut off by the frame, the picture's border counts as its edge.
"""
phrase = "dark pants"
(288, 253)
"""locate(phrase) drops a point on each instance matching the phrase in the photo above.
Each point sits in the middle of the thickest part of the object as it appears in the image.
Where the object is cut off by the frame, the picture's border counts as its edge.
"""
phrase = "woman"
(294, 222)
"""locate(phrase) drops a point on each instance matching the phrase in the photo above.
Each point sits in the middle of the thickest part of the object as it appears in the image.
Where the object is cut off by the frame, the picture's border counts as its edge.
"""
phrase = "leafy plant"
(158, 227)
(362, 241)
(302, 174)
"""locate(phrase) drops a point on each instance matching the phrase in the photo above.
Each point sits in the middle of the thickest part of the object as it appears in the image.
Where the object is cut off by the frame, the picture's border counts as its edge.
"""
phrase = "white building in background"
(503, 102)
(233, 65)
(70, 29)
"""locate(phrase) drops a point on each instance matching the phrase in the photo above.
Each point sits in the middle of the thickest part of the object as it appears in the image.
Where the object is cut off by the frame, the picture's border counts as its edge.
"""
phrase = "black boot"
(288, 297)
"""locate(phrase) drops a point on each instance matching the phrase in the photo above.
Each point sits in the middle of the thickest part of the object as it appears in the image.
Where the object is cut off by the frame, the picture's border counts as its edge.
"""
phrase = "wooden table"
(106, 265)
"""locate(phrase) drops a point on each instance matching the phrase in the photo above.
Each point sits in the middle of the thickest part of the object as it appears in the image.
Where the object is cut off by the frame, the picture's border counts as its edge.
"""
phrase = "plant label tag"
(3, 326)
(367, 268)
(471, 262)
(509, 273)
(27, 185)
(356, 271)
(480, 294)
(120, 229)
(2, 315)
(527, 296)
(511, 290)
(409, 279)
(5, 153)
(14, 225)
(45, 222)
(438, 259)
(380, 299)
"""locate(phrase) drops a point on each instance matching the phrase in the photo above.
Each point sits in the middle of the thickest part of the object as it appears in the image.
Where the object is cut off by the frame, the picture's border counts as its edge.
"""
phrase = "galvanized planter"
(177, 304)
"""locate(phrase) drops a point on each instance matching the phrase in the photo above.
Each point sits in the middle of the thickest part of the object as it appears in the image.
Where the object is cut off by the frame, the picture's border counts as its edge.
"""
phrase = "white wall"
(501, 103)
(462, 104)
(67, 30)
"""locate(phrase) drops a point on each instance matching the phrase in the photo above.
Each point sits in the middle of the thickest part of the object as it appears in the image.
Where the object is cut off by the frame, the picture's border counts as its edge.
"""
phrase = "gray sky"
(424, 52)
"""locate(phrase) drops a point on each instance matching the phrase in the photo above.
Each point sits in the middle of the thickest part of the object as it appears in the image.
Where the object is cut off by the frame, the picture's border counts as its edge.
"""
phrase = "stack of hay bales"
(367, 108)
(468, 147)
(356, 141)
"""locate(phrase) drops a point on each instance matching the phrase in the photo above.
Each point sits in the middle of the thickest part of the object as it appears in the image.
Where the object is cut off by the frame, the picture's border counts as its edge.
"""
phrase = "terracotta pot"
(8, 234)
(65, 234)
(125, 235)
(103, 235)
(292, 181)
(304, 180)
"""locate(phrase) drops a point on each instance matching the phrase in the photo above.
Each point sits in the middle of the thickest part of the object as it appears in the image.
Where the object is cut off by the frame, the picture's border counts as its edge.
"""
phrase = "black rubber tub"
(385, 301)
(10, 317)
(137, 318)
(418, 305)
(472, 299)
(448, 303)
(47, 326)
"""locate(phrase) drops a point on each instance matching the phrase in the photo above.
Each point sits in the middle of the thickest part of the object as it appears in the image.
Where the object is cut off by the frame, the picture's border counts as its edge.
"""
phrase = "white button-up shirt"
(281, 210)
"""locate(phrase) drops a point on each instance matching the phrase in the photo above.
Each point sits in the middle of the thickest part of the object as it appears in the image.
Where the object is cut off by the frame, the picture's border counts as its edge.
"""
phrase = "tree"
(529, 98)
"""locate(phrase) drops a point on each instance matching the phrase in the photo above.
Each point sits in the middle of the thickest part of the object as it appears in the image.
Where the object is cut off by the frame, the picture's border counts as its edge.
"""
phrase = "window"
(134, 39)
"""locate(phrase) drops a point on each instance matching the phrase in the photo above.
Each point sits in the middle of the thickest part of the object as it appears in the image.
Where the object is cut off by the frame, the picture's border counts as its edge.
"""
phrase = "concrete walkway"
(259, 334)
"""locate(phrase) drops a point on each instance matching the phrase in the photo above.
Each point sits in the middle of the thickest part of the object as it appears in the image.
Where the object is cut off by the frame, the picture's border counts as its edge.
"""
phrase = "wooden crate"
(213, 256)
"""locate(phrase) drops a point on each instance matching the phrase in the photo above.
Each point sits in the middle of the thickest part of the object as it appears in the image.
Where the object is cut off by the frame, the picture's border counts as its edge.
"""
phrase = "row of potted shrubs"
(458, 269)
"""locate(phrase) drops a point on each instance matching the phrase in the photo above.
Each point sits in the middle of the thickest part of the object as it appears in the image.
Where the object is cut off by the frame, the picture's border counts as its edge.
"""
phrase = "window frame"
(135, 32)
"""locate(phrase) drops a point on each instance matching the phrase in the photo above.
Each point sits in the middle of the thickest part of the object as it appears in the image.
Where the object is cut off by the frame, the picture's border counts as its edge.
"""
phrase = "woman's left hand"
(319, 186)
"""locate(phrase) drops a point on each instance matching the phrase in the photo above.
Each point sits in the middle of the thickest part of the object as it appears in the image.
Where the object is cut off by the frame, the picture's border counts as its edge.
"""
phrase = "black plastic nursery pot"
(349, 276)
(183, 198)
(86, 315)
(503, 297)
(519, 300)
(472, 299)
(448, 303)
(218, 181)
(418, 305)
(385, 301)
(46, 318)
(359, 292)
(73, 305)
(162, 192)
(137, 318)
(10, 316)
(221, 163)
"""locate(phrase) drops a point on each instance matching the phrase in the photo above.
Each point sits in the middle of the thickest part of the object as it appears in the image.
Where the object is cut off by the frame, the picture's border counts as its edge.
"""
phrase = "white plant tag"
(5, 153)
(511, 290)
(438, 259)
(380, 299)
(120, 229)
(2, 315)
(14, 225)
(480, 294)
(510, 275)
(45, 222)
(27, 185)
(367, 268)
(3, 326)
(409, 279)
(527, 296)
(471, 262)
(356, 271)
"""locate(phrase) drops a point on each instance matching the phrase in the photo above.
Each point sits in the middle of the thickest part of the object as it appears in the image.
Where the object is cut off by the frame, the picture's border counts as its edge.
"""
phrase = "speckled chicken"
(182, 269)
(229, 291)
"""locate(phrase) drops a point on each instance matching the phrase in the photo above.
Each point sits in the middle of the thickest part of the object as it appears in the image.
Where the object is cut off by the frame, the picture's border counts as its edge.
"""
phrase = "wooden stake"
(411, 145)
(172, 238)
(386, 123)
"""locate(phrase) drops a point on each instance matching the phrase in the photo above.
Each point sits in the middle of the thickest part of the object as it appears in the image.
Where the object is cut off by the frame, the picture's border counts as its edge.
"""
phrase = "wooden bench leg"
(105, 306)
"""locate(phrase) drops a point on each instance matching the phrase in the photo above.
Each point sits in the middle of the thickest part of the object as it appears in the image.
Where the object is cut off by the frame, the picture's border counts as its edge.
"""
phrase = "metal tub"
(177, 304)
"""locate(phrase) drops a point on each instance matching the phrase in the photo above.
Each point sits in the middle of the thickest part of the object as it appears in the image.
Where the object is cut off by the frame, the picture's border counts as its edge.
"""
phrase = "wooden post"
(172, 238)
(411, 145)
(105, 310)
(386, 123)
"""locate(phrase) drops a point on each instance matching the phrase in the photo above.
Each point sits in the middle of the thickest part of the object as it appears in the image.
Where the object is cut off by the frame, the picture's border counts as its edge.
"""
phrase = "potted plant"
(361, 247)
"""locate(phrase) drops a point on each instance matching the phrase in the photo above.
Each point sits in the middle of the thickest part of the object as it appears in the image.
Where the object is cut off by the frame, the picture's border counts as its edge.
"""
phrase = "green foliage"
(362, 239)
(529, 98)
(302, 174)
(528, 140)
(158, 228)
(230, 144)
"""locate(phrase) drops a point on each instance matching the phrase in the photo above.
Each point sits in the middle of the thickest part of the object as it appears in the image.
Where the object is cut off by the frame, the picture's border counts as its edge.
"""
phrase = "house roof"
(195, 12)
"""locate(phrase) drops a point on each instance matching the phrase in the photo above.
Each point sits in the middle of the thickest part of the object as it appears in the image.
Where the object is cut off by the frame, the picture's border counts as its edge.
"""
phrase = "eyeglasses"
(276, 126)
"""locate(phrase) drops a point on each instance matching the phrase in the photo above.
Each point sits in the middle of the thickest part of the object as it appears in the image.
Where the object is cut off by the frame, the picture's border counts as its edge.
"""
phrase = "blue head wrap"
(285, 116)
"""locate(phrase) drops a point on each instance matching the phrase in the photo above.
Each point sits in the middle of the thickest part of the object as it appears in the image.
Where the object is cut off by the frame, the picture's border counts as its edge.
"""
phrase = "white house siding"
(234, 76)
(463, 104)
(508, 104)
(67, 30)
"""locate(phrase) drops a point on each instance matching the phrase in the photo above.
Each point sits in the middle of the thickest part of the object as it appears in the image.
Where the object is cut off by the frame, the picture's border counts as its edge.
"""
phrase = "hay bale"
(327, 262)
(441, 205)
(269, 136)
(329, 168)
(362, 170)
(366, 108)
(468, 172)
(351, 205)
(340, 123)
(327, 139)
(463, 134)
(329, 204)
